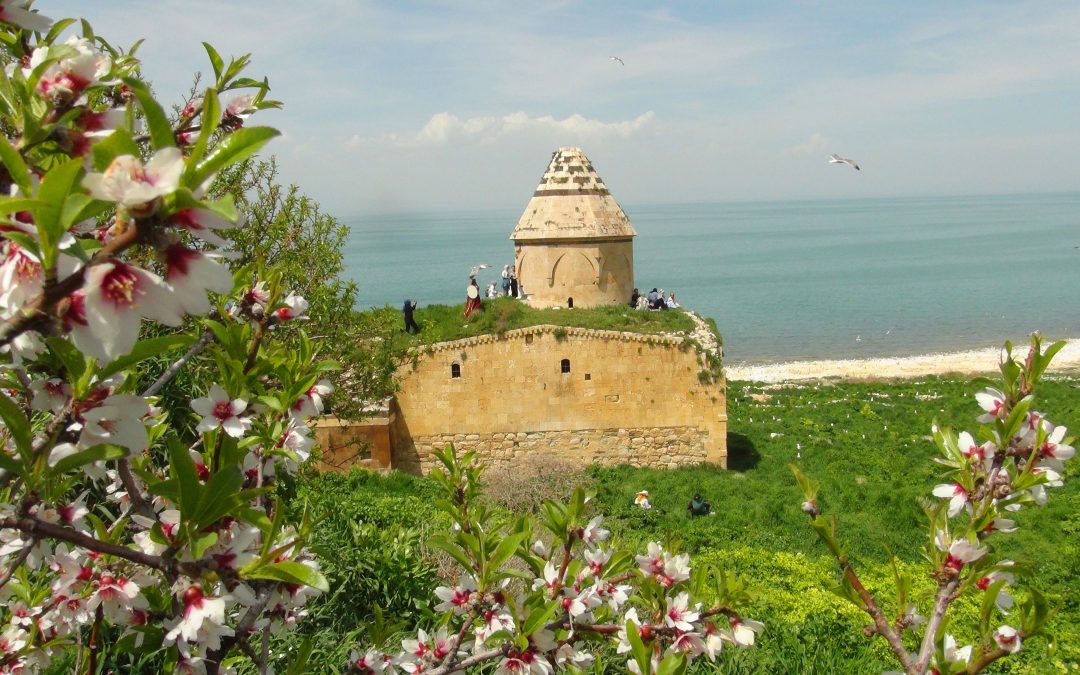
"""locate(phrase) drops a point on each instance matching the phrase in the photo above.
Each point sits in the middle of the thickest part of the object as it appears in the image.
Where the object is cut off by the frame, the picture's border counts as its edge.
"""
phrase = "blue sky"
(396, 106)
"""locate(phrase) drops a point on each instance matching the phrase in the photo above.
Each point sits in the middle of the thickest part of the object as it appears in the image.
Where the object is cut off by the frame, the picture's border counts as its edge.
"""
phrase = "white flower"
(954, 655)
(134, 186)
(961, 552)
(597, 558)
(295, 307)
(203, 620)
(687, 643)
(550, 580)
(71, 75)
(105, 319)
(118, 420)
(17, 12)
(1008, 639)
(456, 599)
(592, 533)
(311, 403)
(994, 403)
(371, 663)
(218, 410)
(191, 274)
(743, 631)
(955, 493)
(1054, 453)
(575, 655)
(624, 642)
(678, 615)
(202, 223)
(51, 394)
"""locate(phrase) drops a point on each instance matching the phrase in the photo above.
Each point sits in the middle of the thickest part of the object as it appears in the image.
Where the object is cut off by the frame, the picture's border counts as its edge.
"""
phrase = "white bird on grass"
(476, 269)
(837, 159)
(616, 58)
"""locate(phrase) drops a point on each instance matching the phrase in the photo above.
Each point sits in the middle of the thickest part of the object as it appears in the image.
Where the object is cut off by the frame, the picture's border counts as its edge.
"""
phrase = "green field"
(866, 443)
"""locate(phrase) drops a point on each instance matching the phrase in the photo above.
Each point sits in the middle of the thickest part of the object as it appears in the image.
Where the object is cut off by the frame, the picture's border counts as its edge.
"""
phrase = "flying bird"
(616, 58)
(837, 159)
(476, 270)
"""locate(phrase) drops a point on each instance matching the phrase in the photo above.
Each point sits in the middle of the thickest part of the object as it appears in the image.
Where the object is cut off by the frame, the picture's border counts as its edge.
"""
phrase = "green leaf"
(637, 647)
(144, 349)
(79, 207)
(17, 424)
(291, 573)
(54, 190)
(441, 541)
(161, 133)
(504, 551)
(203, 542)
(238, 145)
(15, 165)
(10, 465)
(299, 663)
(215, 60)
(221, 491)
(183, 469)
(211, 117)
(118, 143)
(539, 617)
(103, 452)
(673, 664)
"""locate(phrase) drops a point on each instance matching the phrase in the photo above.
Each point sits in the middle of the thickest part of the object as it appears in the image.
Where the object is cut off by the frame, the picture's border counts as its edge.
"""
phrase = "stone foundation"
(658, 447)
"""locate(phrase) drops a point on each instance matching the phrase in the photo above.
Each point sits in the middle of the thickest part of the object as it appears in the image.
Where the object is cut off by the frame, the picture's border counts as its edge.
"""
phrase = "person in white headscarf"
(506, 280)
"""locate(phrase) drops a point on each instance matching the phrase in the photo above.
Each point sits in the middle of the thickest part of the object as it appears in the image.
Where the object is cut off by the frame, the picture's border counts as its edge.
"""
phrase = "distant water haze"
(791, 280)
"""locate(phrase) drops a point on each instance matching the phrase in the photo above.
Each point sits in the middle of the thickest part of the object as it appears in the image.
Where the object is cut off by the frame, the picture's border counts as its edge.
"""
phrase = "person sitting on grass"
(642, 500)
(698, 506)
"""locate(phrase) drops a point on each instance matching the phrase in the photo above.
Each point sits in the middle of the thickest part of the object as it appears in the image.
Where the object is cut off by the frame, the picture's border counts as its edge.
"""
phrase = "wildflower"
(218, 410)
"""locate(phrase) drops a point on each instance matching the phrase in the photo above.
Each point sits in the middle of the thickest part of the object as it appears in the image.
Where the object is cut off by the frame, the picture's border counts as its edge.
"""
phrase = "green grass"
(440, 323)
(868, 445)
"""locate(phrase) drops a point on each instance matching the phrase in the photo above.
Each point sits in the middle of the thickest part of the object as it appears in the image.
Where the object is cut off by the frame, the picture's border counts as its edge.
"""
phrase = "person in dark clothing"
(698, 506)
(410, 322)
(634, 298)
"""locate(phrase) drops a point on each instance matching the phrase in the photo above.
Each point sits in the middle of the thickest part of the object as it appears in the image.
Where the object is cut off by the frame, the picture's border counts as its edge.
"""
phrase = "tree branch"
(204, 339)
(881, 622)
(941, 603)
(472, 660)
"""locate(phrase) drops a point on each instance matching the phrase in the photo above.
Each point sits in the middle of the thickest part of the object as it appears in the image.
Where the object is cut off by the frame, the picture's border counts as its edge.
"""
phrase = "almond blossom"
(135, 186)
(1008, 638)
(104, 318)
(118, 420)
(219, 410)
(203, 620)
(50, 394)
(456, 599)
(993, 401)
(202, 223)
(295, 307)
(678, 615)
(191, 274)
(1053, 453)
(371, 663)
(592, 533)
(955, 493)
(18, 12)
(744, 631)
(71, 75)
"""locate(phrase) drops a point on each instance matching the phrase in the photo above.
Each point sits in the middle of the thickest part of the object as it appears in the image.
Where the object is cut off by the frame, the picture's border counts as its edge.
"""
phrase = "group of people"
(697, 506)
(509, 286)
(654, 299)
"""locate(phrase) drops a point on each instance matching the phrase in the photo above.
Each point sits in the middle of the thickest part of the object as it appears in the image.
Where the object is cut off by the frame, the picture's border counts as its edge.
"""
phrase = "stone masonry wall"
(659, 447)
(627, 398)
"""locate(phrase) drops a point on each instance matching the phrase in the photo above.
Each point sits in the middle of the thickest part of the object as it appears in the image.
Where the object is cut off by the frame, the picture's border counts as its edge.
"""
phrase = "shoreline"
(968, 362)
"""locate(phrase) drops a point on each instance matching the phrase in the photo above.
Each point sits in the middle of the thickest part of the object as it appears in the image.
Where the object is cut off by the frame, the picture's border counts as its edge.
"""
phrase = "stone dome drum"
(574, 240)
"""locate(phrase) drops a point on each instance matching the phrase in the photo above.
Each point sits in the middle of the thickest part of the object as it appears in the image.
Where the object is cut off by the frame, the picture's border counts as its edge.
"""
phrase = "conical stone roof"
(572, 202)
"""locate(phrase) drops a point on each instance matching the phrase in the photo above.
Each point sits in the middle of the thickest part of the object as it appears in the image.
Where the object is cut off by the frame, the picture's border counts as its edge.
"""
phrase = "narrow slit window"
(565, 365)
(455, 370)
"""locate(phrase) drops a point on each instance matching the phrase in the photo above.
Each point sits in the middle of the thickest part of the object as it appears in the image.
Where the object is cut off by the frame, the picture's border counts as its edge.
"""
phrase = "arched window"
(565, 365)
(455, 370)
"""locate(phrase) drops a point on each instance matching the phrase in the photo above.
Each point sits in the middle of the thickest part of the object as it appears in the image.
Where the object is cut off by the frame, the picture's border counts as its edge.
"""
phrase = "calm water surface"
(792, 280)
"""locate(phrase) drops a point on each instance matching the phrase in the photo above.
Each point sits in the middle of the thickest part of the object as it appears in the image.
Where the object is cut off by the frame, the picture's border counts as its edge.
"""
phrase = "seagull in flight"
(476, 270)
(616, 58)
(837, 159)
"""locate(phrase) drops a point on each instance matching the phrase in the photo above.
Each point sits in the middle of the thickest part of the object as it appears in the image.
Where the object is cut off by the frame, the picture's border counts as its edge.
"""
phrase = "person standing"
(506, 280)
(513, 282)
(472, 297)
(410, 322)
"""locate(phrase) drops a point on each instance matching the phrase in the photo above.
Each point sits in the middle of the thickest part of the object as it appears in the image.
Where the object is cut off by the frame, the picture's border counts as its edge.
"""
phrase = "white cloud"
(818, 142)
(444, 128)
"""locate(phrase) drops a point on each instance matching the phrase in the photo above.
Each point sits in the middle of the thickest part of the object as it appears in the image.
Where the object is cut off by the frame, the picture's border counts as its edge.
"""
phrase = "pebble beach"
(967, 363)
